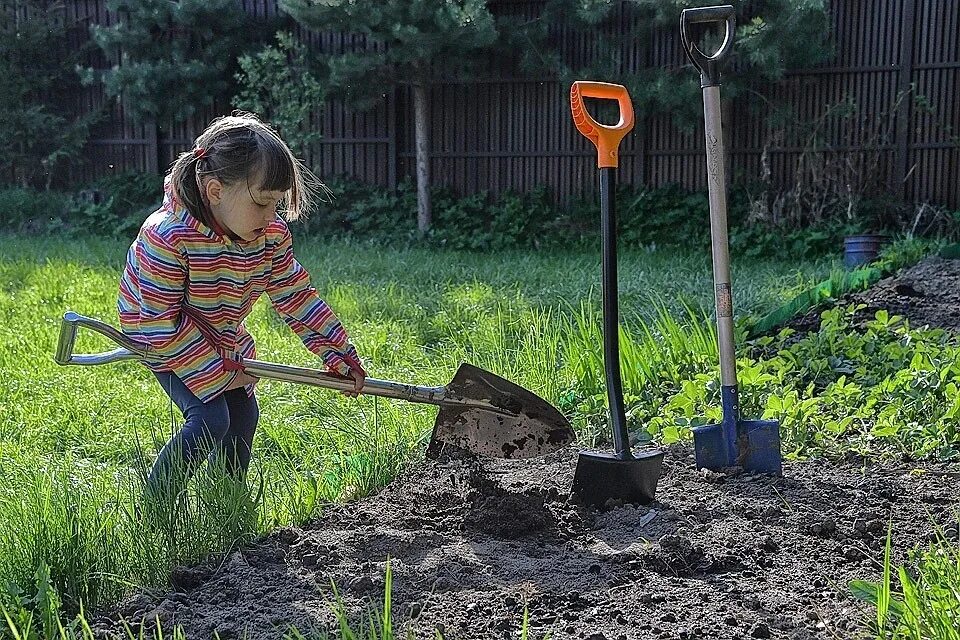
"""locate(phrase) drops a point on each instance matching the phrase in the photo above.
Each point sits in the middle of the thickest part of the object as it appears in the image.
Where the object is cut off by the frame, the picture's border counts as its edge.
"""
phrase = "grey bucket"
(861, 249)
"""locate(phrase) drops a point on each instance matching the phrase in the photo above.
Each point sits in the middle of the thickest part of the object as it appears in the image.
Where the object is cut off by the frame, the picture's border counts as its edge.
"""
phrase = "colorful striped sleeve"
(295, 298)
(178, 345)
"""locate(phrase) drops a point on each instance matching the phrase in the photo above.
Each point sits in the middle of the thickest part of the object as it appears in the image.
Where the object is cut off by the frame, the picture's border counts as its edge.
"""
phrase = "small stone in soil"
(773, 512)
(760, 630)
(712, 476)
(826, 527)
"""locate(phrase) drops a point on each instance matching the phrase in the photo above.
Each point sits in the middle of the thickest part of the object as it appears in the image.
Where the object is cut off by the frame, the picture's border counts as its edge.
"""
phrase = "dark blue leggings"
(219, 430)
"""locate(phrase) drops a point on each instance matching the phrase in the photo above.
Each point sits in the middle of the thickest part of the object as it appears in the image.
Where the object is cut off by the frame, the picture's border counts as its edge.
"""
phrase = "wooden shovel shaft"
(716, 177)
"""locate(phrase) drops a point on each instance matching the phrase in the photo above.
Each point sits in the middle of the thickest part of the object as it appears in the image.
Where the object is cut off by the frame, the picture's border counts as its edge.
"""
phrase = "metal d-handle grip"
(707, 65)
(130, 349)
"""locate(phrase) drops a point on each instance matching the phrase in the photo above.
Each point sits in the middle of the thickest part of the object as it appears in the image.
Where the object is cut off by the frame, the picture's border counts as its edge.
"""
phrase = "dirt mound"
(472, 543)
(926, 294)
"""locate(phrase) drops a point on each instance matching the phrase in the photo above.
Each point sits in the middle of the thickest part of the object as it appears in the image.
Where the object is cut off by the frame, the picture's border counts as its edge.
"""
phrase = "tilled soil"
(926, 294)
(471, 543)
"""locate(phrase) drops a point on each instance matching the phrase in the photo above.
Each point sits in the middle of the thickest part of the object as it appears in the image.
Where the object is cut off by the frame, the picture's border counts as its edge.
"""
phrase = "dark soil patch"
(471, 543)
(926, 294)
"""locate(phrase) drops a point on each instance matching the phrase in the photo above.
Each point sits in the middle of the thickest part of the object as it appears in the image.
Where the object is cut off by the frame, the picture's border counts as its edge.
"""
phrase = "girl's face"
(242, 211)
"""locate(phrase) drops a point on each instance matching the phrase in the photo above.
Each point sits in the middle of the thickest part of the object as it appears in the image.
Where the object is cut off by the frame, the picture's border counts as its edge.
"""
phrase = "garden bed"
(472, 543)
(926, 294)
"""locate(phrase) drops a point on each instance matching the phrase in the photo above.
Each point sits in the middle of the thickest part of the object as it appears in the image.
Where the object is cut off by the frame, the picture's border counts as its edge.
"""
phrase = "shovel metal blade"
(601, 476)
(757, 447)
(489, 416)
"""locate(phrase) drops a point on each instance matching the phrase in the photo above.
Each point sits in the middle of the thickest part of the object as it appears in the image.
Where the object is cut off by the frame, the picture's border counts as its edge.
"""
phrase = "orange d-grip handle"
(604, 137)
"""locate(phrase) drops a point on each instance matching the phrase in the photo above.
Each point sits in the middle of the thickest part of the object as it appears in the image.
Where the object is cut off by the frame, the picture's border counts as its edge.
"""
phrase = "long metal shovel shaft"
(601, 476)
(134, 350)
(611, 324)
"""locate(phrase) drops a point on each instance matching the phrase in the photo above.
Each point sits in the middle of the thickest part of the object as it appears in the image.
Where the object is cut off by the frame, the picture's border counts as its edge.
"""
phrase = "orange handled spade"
(622, 475)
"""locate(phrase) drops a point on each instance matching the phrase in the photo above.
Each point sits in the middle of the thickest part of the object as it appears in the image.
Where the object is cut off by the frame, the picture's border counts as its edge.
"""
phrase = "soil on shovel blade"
(471, 543)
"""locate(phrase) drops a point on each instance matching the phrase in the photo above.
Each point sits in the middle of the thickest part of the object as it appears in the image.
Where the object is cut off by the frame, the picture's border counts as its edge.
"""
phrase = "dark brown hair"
(243, 147)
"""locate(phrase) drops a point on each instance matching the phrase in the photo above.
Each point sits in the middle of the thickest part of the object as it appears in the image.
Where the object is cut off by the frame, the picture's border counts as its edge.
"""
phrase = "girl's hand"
(358, 375)
(243, 379)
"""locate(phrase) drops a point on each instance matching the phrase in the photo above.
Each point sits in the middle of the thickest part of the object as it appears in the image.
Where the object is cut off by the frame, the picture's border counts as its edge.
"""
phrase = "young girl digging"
(192, 275)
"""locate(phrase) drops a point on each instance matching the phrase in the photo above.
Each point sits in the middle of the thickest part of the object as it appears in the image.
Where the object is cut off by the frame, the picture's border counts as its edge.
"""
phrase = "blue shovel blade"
(762, 451)
(710, 447)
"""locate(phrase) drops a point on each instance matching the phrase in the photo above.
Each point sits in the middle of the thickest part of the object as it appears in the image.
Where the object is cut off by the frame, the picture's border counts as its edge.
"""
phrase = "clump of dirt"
(505, 514)
(472, 543)
(926, 294)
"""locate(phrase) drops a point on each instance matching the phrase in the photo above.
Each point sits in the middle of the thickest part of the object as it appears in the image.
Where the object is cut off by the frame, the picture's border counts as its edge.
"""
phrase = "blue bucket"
(861, 249)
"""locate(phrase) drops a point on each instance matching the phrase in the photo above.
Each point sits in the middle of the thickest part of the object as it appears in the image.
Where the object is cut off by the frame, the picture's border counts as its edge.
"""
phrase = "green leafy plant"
(281, 84)
(926, 606)
(879, 389)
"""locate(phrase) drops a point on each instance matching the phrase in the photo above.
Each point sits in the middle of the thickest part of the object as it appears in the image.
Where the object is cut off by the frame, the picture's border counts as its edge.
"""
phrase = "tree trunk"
(421, 109)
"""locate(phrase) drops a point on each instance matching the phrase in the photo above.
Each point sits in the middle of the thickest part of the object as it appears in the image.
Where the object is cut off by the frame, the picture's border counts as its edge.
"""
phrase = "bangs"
(275, 169)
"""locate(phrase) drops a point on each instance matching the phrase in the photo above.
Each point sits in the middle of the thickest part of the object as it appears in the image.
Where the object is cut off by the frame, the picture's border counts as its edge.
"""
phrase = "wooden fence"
(516, 133)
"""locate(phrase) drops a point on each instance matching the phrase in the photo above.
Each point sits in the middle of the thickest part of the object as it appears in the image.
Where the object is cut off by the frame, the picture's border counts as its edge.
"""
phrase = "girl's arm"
(178, 345)
(295, 298)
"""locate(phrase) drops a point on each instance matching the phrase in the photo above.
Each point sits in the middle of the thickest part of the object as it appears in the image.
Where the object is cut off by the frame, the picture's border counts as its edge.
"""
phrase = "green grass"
(76, 441)
(919, 600)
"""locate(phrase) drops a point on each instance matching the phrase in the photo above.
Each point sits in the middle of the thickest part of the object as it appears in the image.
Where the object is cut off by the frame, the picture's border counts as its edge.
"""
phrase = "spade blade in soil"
(600, 477)
(487, 415)
(753, 445)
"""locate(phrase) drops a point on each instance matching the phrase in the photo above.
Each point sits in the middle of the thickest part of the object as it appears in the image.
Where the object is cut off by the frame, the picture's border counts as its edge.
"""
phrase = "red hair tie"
(199, 153)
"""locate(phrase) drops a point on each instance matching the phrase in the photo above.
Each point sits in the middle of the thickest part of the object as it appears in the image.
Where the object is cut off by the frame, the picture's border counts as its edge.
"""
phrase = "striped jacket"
(186, 291)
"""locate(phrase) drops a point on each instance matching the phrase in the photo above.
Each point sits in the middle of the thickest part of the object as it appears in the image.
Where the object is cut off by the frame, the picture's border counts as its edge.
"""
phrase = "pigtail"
(185, 178)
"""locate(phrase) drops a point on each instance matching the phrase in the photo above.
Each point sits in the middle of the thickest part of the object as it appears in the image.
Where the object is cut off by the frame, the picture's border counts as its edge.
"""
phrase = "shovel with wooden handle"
(621, 475)
(480, 412)
(751, 444)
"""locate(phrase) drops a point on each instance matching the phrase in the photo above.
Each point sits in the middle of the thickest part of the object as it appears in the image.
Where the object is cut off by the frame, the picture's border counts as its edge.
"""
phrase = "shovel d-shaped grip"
(707, 65)
(605, 137)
